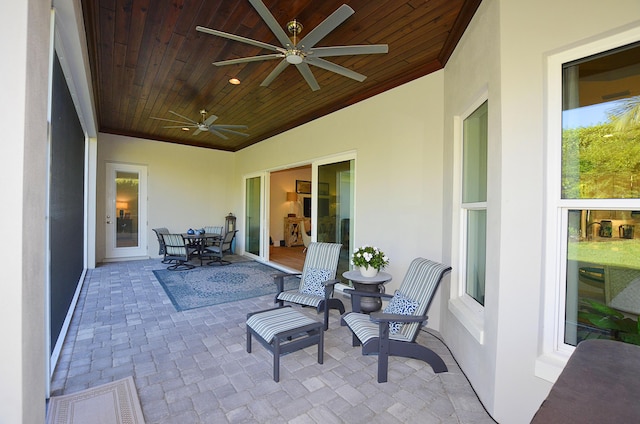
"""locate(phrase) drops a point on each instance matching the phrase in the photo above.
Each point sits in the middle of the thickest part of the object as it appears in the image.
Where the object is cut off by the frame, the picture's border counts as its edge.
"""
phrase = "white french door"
(126, 211)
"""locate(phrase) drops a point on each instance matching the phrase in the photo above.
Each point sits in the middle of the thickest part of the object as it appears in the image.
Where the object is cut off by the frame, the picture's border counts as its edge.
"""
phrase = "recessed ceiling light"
(234, 81)
(185, 129)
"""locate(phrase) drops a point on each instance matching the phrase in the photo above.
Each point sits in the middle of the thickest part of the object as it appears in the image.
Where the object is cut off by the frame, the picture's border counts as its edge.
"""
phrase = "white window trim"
(463, 307)
(554, 353)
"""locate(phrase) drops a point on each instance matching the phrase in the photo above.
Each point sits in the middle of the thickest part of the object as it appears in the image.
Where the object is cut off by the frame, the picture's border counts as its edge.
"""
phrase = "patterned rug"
(116, 402)
(212, 285)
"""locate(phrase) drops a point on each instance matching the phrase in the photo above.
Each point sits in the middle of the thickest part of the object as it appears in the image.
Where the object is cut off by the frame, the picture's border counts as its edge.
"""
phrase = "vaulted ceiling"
(148, 60)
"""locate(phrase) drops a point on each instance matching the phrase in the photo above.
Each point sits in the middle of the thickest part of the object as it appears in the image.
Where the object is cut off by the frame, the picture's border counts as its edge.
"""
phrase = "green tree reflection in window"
(603, 161)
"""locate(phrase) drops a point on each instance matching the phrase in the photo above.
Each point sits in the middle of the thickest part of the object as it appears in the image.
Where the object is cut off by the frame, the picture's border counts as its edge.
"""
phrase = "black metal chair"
(393, 332)
(159, 232)
(177, 250)
(218, 249)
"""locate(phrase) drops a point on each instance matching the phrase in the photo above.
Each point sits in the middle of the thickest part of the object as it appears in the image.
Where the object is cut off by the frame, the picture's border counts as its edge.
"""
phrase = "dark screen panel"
(66, 201)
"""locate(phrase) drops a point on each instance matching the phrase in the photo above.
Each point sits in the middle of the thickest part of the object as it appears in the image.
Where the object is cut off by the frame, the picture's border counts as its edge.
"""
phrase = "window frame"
(554, 352)
(468, 311)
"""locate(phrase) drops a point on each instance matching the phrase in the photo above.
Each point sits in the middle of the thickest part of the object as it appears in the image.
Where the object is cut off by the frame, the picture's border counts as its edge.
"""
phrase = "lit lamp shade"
(291, 198)
(122, 205)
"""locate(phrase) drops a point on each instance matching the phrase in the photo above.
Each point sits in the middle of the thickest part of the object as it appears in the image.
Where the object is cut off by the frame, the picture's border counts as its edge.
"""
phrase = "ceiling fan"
(300, 53)
(205, 124)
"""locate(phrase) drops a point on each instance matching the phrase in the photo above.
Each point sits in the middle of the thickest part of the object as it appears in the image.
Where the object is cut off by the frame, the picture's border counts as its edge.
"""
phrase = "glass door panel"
(127, 209)
(126, 216)
(252, 219)
(334, 222)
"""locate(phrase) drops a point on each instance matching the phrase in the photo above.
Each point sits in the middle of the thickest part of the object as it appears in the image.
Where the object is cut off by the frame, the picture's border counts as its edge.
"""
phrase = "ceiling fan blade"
(170, 120)
(308, 76)
(276, 71)
(325, 64)
(249, 59)
(271, 22)
(218, 133)
(224, 127)
(231, 131)
(210, 120)
(183, 117)
(181, 126)
(326, 26)
(240, 39)
(349, 50)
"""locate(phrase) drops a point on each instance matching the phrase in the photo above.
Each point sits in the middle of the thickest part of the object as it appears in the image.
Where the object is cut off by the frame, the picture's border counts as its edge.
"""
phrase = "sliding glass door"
(332, 208)
(252, 215)
(334, 201)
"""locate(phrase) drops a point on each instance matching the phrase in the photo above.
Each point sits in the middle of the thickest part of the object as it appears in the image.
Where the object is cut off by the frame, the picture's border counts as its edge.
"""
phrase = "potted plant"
(369, 259)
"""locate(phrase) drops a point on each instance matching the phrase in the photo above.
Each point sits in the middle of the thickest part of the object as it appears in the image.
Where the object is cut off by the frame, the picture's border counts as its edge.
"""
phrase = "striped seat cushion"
(301, 298)
(365, 330)
(175, 245)
(269, 323)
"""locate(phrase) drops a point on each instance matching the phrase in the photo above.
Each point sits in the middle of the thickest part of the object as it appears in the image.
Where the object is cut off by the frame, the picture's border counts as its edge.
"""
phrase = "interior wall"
(188, 187)
(397, 139)
(503, 51)
(282, 182)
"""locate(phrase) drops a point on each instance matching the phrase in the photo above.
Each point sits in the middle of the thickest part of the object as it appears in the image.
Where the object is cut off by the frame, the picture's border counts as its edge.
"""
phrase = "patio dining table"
(200, 241)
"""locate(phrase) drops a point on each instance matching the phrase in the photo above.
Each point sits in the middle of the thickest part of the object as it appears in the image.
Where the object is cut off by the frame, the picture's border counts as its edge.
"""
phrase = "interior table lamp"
(122, 206)
(291, 198)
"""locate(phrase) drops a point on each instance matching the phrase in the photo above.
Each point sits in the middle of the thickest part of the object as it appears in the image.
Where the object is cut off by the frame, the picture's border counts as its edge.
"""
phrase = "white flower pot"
(368, 271)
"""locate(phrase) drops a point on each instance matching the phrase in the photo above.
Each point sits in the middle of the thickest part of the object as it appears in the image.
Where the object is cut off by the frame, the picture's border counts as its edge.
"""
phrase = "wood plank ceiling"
(148, 59)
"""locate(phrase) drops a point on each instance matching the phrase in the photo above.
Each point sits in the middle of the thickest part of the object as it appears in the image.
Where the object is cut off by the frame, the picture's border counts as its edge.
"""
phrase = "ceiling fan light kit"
(300, 53)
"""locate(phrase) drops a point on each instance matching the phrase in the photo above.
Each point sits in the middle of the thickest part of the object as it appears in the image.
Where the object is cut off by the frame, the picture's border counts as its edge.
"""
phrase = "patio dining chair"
(212, 229)
(393, 332)
(177, 249)
(317, 281)
(218, 249)
(215, 229)
(159, 232)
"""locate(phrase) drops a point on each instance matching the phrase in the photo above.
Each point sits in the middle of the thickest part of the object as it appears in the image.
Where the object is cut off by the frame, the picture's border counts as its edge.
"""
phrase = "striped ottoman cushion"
(269, 323)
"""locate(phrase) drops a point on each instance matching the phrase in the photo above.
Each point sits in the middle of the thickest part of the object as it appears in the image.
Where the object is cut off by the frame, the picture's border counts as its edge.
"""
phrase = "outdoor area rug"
(116, 402)
(212, 285)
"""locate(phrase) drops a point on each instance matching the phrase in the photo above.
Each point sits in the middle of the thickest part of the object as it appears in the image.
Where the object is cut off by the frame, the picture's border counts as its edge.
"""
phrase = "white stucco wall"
(472, 73)
(188, 187)
(397, 140)
(24, 27)
(504, 50)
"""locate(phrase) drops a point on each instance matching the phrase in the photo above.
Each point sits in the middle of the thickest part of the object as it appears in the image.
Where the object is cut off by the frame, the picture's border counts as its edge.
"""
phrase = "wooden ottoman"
(284, 330)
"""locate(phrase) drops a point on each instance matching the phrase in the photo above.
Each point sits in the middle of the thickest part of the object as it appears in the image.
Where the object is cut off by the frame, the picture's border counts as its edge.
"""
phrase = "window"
(474, 201)
(599, 204)
(469, 232)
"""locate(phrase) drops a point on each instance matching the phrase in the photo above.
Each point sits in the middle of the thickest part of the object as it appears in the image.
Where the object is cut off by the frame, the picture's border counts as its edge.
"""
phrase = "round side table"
(368, 284)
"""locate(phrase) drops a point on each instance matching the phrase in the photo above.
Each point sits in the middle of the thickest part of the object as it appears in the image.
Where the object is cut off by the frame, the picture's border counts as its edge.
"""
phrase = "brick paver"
(192, 366)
